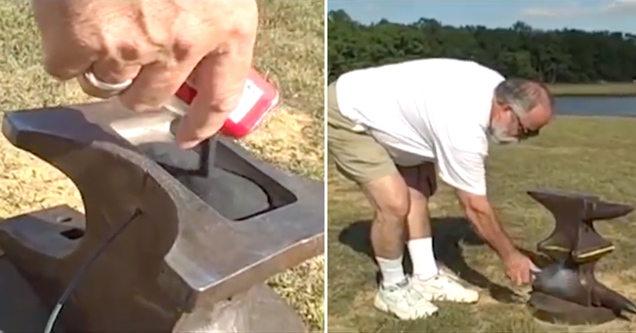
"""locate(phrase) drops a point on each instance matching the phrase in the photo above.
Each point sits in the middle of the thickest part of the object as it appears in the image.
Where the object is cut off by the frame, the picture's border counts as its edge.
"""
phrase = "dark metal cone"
(613, 300)
(606, 211)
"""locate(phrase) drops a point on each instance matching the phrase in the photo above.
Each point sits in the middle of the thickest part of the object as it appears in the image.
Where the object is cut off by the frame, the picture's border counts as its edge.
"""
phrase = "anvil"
(566, 291)
(193, 250)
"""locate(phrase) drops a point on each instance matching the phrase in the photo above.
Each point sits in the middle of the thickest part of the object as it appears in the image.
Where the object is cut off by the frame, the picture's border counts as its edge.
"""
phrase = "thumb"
(534, 268)
(220, 80)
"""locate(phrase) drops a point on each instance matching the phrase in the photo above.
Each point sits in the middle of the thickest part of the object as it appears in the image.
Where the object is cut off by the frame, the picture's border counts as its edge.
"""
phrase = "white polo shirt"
(431, 109)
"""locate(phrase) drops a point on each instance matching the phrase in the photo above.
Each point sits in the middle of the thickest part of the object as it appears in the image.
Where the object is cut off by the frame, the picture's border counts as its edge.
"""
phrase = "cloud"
(553, 12)
(621, 7)
(540, 12)
(574, 9)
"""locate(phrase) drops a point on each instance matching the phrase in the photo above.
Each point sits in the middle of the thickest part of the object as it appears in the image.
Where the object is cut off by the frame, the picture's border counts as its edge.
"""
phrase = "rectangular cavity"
(234, 187)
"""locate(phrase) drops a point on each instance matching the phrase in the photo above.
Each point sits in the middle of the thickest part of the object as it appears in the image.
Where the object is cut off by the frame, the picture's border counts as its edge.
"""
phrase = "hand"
(520, 269)
(159, 45)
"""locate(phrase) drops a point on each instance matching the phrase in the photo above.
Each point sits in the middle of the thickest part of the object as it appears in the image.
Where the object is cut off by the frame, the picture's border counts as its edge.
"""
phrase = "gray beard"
(499, 136)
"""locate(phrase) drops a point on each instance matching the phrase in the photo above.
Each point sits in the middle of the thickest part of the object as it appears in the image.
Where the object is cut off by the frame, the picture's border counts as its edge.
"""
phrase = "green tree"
(566, 55)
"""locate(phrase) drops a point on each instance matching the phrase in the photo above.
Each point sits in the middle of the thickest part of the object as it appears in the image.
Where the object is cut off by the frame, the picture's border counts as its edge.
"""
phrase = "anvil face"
(226, 188)
(197, 248)
(566, 290)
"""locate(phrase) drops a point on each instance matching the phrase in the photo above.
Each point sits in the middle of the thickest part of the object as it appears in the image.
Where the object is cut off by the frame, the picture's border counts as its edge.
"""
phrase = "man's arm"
(478, 210)
(466, 172)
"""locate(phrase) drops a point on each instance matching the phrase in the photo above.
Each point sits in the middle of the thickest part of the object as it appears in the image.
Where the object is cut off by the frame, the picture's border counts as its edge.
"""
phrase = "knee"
(394, 211)
(419, 202)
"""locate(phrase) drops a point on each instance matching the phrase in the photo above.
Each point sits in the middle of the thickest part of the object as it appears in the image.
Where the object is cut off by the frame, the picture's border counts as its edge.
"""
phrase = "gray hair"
(522, 95)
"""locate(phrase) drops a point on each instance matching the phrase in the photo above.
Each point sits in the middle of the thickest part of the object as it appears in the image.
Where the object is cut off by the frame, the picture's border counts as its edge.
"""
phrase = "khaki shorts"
(358, 156)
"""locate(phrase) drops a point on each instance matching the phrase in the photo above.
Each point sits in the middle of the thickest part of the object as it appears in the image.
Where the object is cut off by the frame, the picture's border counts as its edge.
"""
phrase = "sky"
(614, 15)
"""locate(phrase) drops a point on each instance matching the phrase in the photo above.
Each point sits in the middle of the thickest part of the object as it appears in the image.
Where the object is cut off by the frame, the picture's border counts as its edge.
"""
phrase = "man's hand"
(519, 268)
(157, 44)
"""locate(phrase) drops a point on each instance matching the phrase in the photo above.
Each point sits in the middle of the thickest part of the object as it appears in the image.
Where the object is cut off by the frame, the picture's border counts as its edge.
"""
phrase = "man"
(154, 46)
(390, 126)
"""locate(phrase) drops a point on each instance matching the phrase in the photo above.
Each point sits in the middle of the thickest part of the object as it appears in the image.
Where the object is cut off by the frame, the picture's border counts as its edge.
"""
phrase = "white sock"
(392, 271)
(421, 251)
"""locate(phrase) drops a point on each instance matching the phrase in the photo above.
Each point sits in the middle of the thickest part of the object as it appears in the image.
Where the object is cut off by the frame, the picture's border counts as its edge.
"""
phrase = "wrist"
(507, 251)
(490, 230)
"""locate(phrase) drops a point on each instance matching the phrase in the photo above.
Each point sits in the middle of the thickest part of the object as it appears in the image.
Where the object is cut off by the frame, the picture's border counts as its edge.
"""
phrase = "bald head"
(531, 101)
(520, 109)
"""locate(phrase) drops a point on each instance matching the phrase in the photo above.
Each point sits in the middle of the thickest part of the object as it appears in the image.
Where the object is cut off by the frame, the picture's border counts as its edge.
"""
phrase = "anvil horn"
(605, 211)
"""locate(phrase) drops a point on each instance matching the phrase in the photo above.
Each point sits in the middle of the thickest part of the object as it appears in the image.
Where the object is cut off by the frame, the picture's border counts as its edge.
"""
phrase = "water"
(596, 106)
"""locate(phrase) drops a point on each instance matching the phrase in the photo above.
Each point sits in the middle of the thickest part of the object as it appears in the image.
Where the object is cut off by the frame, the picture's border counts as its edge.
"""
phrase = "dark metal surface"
(186, 263)
(555, 310)
(566, 290)
(20, 309)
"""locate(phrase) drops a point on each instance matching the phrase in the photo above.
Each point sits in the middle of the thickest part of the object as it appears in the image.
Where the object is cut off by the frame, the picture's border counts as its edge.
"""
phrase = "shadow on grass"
(448, 234)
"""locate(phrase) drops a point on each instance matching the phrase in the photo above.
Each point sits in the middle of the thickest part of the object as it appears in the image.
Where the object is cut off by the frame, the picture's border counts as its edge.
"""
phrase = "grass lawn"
(593, 155)
(290, 52)
(593, 89)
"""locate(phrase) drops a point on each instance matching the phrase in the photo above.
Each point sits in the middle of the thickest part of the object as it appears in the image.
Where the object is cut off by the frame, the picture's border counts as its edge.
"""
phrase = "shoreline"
(593, 89)
(574, 115)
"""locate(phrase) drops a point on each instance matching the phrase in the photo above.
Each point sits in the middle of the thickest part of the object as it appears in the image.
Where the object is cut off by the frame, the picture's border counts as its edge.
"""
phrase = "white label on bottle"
(251, 95)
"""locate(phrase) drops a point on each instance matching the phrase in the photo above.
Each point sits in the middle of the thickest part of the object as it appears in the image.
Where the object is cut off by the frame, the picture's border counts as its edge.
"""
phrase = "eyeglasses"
(523, 132)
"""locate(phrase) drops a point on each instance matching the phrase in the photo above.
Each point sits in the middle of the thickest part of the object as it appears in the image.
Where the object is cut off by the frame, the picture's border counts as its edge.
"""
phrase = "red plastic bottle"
(259, 98)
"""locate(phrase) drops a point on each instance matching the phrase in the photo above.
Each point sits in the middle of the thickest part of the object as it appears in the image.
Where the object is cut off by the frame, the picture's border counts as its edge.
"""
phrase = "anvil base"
(31, 242)
(20, 309)
(557, 311)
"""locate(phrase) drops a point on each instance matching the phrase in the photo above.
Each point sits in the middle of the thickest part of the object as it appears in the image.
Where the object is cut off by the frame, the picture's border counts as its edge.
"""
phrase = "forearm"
(488, 228)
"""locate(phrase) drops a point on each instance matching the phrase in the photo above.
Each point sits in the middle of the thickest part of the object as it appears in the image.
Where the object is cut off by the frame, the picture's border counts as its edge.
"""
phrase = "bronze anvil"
(566, 291)
(195, 249)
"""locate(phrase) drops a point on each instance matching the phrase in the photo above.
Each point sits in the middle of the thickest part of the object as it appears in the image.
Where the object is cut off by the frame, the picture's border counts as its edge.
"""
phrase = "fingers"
(109, 71)
(65, 56)
(522, 276)
(220, 81)
(65, 63)
(526, 276)
(156, 83)
(115, 71)
(534, 268)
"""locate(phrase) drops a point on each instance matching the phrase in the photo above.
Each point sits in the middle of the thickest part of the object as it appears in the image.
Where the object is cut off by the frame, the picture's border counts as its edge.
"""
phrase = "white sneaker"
(445, 287)
(404, 301)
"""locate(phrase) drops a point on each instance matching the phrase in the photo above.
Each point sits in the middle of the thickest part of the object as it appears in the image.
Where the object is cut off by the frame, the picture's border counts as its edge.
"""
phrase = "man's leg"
(435, 284)
(361, 159)
(388, 196)
(420, 242)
